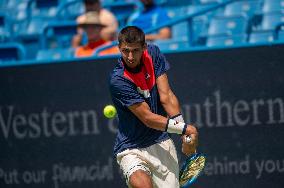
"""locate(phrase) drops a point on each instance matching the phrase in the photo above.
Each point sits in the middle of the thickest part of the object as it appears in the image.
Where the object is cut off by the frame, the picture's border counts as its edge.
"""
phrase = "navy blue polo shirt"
(129, 88)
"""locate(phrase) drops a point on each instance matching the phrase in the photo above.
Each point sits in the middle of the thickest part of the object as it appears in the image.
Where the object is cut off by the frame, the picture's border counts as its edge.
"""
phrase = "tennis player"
(144, 100)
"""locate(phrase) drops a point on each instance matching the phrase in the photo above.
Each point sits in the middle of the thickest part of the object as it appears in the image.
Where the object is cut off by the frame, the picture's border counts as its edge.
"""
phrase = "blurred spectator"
(91, 24)
(151, 16)
(108, 33)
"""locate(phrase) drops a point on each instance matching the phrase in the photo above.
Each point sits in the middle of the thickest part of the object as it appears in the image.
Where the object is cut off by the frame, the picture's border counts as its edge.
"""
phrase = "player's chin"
(132, 65)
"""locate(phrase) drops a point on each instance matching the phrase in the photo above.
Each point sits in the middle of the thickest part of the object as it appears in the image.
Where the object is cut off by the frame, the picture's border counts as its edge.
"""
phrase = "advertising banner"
(53, 133)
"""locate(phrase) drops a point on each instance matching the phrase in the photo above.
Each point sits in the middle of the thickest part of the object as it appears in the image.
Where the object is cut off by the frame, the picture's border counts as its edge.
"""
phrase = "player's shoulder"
(116, 72)
(153, 49)
(117, 76)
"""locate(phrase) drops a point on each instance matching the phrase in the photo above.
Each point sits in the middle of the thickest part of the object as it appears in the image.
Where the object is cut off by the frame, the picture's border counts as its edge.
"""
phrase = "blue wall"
(53, 133)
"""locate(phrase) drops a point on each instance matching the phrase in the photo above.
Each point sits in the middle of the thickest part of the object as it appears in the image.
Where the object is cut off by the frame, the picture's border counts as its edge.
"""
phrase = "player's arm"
(172, 107)
(167, 97)
(143, 112)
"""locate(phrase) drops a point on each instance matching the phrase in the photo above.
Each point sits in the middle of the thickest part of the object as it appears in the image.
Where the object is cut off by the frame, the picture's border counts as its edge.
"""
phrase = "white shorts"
(159, 161)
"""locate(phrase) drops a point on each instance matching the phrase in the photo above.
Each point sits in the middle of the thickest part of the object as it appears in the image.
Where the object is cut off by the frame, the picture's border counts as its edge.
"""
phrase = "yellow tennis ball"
(109, 111)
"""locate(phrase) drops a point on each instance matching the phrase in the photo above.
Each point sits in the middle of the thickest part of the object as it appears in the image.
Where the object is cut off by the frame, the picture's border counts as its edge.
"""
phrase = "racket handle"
(188, 139)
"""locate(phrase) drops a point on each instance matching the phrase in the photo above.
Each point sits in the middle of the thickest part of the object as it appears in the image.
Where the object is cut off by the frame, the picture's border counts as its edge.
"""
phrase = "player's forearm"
(172, 107)
(161, 123)
(155, 121)
(171, 104)
(143, 113)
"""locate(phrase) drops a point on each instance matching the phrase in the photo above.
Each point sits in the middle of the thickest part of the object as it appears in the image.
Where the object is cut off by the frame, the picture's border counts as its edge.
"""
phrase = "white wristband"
(175, 127)
(178, 118)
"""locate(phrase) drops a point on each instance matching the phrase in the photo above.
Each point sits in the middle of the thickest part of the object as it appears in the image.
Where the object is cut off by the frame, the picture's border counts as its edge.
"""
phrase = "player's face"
(131, 53)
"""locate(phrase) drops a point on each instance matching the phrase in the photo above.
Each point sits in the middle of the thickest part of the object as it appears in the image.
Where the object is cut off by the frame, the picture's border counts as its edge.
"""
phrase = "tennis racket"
(191, 168)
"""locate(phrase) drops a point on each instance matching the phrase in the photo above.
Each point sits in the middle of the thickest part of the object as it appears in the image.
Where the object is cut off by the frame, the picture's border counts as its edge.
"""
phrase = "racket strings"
(192, 169)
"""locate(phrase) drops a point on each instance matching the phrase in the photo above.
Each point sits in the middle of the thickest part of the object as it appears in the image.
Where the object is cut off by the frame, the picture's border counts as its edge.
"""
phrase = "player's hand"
(189, 148)
(190, 130)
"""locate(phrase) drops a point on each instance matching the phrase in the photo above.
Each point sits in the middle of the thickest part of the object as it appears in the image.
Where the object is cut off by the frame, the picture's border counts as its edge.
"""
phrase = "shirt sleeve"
(161, 65)
(124, 93)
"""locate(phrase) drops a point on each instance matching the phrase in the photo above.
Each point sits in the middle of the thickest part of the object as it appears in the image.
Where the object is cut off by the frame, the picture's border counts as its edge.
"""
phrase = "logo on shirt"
(145, 93)
(147, 75)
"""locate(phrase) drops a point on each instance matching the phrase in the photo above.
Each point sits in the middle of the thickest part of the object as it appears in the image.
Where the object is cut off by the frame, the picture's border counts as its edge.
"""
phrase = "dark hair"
(131, 34)
(91, 1)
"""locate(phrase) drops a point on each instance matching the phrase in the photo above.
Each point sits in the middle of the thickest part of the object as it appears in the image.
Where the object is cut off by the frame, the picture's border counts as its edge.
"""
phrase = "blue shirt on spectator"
(149, 18)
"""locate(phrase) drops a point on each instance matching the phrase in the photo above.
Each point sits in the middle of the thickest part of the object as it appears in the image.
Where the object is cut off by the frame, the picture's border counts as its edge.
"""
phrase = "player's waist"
(127, 143)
